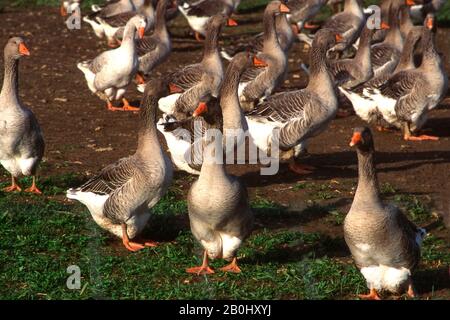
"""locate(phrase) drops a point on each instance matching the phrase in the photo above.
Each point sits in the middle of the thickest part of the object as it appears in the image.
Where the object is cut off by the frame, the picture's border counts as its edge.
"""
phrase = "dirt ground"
(83, 137)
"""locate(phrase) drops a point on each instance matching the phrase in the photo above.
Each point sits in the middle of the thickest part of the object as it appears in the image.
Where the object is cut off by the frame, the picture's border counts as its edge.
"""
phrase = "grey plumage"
(123, 192)
(382, 240)
(21, 140)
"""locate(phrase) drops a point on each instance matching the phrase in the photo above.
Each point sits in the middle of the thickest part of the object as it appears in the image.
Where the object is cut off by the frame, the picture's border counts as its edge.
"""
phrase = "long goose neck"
(211, 43)
(160, 24)
(129, 36)
(11, 79)
(405, 20)
(407, 57)
(352, 6)
(320, 80)
(394, 36)
(431, 59)
(147, 136)
(283, 29)
(229, 100)
(212, 170)
(367, 190)
(270, 35)
(362, 56)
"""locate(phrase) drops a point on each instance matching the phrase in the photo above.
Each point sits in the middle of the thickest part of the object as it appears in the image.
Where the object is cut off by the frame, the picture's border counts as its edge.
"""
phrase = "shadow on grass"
(427, 281)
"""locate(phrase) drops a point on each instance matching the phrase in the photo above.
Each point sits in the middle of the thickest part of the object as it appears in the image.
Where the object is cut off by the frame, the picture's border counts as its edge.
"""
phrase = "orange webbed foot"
(423, 137)
(301, 168)
(128, 107)
(34, 189)
(373, 295)
(133, 246)
(12, 188)
(232, 267)
(200, 270)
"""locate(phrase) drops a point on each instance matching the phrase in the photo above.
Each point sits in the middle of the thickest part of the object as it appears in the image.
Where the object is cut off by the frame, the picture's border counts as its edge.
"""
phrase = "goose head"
(16, 48)
(217, 21)
(430, 22)
(326, 38)
(139, 22)
(362, 139)
(276, 8)
(244, 60)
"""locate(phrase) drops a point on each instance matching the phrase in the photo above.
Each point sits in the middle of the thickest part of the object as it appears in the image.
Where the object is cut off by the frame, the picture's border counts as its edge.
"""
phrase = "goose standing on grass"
(258, 83)
(347, 23)
(120, 196)
(155, 49)
(21, 141)
(385, 55)
(285, 33)
(110, 9)
(384, 243)
(183, 150)
(219, 210)
(197, 14)
(114, 26)
(69, 6)
(111, 72)
(196, 81)
(302, 11)
(296, 116)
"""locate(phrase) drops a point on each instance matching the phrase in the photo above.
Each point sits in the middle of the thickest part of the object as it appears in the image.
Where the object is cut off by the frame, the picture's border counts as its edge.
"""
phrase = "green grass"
(42, 236)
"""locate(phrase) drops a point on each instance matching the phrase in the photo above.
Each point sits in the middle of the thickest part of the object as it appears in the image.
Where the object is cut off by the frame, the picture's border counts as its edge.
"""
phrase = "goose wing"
(111, 177)
(206, 8)
(119, 20)
(145, 45)
(187, 77)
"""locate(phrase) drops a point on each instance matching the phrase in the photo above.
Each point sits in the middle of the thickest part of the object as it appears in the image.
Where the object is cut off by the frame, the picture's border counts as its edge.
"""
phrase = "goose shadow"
(297, 250)
(344, 165)
(432, 280)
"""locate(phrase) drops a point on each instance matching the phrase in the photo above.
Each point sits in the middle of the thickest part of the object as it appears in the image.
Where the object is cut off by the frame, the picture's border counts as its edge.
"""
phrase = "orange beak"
(23, 50)
(259, 63)
(430, 23)
(410, 2)
(173, 88)
(201, 109)
(355, 139)
(284, 8)
(384, 26)
(141, 32)
(63, 11)
(231, 22)
(339, 38)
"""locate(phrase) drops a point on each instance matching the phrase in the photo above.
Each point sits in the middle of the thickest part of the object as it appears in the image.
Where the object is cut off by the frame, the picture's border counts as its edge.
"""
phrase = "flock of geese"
(391, 73)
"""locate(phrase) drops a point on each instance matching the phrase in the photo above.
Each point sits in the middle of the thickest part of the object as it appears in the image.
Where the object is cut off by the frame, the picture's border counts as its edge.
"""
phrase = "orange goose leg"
(14, 186)
(127, 107)
(34, 189)
(409, 137)
(232, 267)
(203, 269)
(373, 295)
(133, 246)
